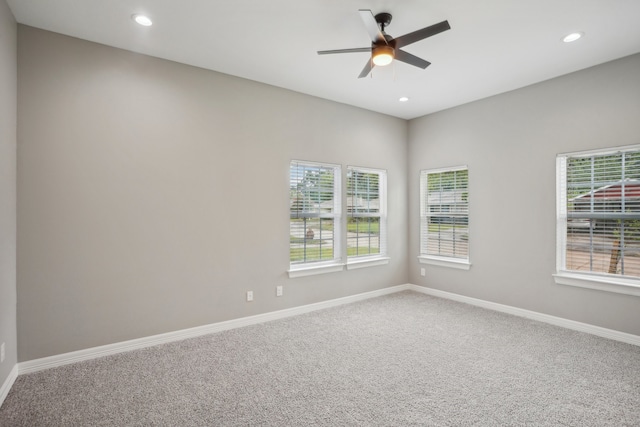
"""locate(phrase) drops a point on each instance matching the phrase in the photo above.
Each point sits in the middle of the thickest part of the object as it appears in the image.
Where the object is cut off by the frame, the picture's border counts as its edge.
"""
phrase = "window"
(598, 219)
(314, 211)
(366, 215)
(444, 217)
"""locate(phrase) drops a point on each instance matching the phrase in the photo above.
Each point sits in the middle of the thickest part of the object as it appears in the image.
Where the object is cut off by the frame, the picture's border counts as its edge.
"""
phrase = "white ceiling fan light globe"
(383, 55)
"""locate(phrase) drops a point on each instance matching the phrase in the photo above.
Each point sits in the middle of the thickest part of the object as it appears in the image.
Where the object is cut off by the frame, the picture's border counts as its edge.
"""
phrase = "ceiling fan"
(385, 48)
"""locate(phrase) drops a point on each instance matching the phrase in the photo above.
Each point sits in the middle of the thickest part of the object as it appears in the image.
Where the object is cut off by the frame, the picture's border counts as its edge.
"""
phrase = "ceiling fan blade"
(355, 49)
(372, 26)
(418, 35)
(367, 69)
(410, 59)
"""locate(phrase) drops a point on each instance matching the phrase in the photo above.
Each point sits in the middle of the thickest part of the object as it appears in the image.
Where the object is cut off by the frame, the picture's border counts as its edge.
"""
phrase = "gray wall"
(510, 142)
(8, 88)
(152, 195)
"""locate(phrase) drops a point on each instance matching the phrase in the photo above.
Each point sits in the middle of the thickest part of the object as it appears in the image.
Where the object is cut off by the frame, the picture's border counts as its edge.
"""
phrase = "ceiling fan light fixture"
(383, 55)
(384, 48)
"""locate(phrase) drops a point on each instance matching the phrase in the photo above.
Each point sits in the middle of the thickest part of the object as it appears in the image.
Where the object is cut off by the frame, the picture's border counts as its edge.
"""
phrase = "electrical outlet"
(249, 295)
(2, 353)
(422, 272)
(278, 291)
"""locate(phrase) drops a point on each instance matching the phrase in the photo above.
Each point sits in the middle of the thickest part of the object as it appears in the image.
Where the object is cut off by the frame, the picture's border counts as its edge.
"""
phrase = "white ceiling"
(493, 45)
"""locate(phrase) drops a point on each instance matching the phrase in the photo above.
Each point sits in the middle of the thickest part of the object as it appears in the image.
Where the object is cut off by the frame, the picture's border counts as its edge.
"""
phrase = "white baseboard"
(120, 347)
(533, 315)
(106, 350)
(8, 383)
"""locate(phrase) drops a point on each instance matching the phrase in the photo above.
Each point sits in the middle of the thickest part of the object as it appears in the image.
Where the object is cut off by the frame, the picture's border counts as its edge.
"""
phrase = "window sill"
(367, 262)
(307, 270)
(445, 262)
(608, 284)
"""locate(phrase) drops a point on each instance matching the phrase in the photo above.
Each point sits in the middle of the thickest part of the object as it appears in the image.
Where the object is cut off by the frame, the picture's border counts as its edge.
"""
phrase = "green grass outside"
(362, 251)
(352, 226)
(315, 254)
(363, 227)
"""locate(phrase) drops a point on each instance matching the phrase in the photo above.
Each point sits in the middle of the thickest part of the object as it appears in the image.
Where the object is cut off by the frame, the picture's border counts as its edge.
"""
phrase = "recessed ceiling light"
(572, 37)
(403, 99)
(142, 19)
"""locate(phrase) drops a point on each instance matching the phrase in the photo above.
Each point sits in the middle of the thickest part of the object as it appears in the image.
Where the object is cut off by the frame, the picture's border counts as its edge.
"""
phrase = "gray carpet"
(399, 360)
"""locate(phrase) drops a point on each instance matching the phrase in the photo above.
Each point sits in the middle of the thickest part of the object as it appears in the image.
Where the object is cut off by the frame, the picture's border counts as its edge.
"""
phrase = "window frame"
(306, 268)
(628, 285)
(461, 263)
(360, 261)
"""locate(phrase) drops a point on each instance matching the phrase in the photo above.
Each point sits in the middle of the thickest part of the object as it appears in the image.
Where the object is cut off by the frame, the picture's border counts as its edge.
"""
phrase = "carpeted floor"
(400, 360)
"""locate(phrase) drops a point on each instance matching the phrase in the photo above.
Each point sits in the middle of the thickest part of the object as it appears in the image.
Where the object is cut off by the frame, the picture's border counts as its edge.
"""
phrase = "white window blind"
(599, 212)
(444, 213)
(366, 212)
(314, 211)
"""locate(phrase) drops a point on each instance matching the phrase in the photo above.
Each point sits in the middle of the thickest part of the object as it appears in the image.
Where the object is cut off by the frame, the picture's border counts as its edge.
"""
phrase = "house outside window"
(444, 217)
(366, 214)
(598, 219)
(314, 215)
